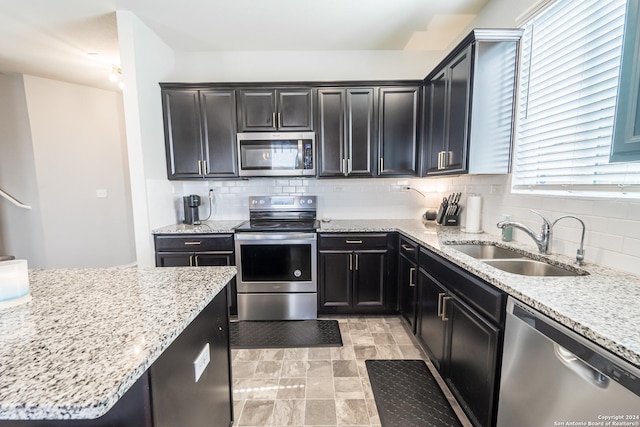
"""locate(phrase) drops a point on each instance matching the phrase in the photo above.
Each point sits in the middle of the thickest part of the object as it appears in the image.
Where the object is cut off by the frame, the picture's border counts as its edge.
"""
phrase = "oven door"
(276, 262)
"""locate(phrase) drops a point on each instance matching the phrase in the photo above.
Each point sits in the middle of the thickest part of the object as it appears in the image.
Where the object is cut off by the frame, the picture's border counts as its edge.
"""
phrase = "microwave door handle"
(300, 155)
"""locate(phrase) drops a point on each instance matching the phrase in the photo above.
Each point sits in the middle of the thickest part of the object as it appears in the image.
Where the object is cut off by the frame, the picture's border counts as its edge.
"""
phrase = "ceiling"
(77, 40)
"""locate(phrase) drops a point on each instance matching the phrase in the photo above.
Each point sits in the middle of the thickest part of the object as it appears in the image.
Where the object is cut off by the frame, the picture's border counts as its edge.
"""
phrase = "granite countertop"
(222, 226)
(603, 306)
(87, 335)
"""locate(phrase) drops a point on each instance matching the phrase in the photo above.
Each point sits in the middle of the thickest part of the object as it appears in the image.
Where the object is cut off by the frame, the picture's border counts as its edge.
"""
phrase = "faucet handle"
(547, 223)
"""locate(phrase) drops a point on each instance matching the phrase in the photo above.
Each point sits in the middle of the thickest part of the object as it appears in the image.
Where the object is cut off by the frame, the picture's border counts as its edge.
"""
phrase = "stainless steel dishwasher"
(552, 376)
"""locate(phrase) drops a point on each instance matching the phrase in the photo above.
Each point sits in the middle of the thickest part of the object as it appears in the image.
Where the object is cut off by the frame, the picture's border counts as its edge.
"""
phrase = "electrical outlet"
(101, 193)
(496, 189)
(201, 362)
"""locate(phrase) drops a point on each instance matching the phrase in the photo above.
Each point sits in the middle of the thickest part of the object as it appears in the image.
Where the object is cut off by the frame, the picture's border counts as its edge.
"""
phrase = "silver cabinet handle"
(343, 167)
(196, 259)
(381, 165)
(357, 262)
(348, 166)
(350, 262)
(353, 242)
(199, 167)
(190, 260)
(444, 308)
(197, 242)
(273, 117)
(279, 120)
(412, 271)
(440, 295)
(407, 248)
(206, 167)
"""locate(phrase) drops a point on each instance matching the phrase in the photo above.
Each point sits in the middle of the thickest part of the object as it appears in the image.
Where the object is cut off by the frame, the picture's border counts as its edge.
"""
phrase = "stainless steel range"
(277, 260)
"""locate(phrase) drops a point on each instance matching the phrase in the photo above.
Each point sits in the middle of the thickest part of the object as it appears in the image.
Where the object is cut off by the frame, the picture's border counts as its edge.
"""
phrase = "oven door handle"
(268, 236)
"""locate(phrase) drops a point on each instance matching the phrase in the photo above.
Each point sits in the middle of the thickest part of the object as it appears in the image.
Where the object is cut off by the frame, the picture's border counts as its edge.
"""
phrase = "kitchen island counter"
(88, 335)
(603, 306)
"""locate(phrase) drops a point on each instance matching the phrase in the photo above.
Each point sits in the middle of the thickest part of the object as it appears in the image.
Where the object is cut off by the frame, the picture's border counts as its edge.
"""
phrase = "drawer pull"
(355, 242)
(440, 295)
(350, 262)
(193, 243)
(412, 271)
(444, 308)
(407, 248)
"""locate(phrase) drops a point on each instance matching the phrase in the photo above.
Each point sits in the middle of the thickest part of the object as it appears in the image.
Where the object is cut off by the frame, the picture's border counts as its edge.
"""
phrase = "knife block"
(451, 220)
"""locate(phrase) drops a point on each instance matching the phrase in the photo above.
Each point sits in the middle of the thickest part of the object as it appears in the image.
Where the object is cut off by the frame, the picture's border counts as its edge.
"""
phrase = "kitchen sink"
(530, 267)
(511, 261)
(486, 251)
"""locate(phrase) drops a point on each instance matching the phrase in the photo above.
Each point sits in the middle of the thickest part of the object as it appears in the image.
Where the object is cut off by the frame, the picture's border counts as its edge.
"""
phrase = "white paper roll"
(473, 223)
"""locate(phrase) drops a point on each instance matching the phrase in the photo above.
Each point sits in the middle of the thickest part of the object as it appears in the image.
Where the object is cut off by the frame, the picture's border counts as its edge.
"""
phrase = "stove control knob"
(261, 201)
(302, 202)
(297, 273)
(310, 201)
(254, 202)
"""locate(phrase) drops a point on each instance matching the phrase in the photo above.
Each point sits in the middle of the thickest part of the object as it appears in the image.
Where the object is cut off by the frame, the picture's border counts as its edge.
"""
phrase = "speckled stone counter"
(88, 334)
(603, 306)
(225, 226)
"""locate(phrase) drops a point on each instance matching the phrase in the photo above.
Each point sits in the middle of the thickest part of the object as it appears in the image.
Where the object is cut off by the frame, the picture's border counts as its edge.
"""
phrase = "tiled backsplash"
(613, 225)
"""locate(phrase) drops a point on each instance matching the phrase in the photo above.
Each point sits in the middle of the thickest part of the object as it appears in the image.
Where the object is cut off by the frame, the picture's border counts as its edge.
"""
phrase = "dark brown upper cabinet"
(398, 130)
(469, 107)
(345, 127)
(275, 109)
(626, 132)
(200, 133)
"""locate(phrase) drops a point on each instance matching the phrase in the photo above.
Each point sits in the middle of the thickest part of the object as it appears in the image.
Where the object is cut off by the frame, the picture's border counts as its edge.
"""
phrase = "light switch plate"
(101, 193)
(201, 362)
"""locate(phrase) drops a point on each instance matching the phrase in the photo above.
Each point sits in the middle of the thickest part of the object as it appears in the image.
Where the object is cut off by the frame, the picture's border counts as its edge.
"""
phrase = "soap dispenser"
(507, 232)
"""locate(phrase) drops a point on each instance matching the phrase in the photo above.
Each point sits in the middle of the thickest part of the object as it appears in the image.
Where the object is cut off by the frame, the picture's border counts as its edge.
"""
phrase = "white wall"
(303, 66)
(146, 60)
(65, 142)
(21, 232)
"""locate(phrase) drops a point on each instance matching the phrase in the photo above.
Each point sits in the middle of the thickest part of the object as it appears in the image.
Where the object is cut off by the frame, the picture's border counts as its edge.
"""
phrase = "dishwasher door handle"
(580, 367)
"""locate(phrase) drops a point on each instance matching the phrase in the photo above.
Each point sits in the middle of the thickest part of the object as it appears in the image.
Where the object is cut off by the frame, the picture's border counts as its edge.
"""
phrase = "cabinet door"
(369, 279)
(257, 109)
(437, 123)
(360, 134)
(398, 130)
(295, 109)
(472, 360)
(331, 132)
(431, 327)
(334, 281)
(182, 132)
(459, 71)
(219, 127)
(174, 259)
(407, 281)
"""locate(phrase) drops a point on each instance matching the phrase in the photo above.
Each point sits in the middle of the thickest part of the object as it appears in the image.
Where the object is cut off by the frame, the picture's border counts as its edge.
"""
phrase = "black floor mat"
(407, 395)
(285, 334)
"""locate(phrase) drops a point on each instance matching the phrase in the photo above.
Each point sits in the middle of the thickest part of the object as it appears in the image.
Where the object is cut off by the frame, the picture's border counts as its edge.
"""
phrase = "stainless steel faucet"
(542, 239)
(580, 252)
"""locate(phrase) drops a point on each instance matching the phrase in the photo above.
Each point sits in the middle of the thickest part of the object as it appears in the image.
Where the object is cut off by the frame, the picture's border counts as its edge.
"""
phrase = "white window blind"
(567, 94)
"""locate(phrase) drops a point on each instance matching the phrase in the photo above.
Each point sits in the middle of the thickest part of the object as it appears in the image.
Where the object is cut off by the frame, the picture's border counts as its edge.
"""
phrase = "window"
(569, 74)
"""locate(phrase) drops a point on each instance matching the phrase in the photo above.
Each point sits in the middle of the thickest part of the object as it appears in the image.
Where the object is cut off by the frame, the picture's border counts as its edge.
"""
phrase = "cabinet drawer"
(480, 295)
(353, 242)
(194, 242)
(409, 249)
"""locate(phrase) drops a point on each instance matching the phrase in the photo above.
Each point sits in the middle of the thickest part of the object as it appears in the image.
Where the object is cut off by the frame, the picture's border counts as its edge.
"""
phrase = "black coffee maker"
(191, 214)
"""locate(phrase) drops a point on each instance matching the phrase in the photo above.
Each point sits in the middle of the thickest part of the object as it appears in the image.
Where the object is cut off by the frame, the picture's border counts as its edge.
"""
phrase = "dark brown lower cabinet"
(177, 399)
(355, 274)
(460, 326)
(167, 393)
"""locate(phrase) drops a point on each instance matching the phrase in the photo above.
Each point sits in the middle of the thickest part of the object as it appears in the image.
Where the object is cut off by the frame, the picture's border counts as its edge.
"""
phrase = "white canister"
(14, 280)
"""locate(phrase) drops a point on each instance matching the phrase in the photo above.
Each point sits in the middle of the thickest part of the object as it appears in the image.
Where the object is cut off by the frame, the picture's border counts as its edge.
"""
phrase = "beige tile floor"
(321, 386)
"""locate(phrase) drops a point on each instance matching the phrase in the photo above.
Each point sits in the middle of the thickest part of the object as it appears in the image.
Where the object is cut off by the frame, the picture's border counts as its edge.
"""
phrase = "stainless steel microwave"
(276, 154)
